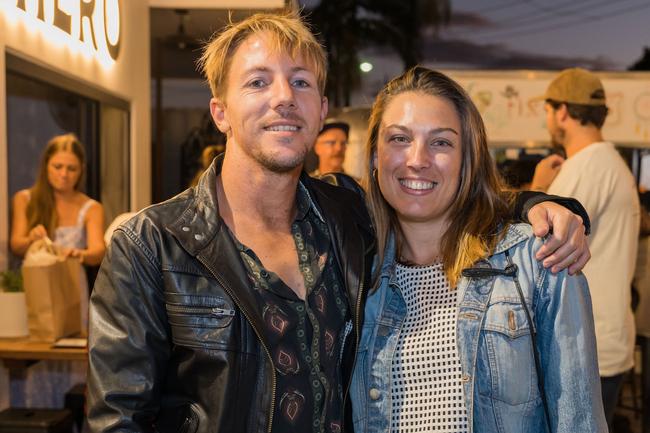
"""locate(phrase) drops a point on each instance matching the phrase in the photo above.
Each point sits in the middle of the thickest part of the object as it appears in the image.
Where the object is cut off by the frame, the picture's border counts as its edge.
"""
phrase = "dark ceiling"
(181, 48)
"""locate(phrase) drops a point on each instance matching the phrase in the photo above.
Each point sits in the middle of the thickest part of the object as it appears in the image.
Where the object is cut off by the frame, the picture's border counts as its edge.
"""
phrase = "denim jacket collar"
(388, 266)
(513, 236)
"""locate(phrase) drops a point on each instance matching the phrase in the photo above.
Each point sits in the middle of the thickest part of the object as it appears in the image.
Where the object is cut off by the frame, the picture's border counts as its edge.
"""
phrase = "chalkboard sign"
(514, 115)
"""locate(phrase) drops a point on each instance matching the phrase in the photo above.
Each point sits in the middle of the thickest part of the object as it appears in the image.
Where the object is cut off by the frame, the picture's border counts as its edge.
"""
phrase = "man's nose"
(283, 94)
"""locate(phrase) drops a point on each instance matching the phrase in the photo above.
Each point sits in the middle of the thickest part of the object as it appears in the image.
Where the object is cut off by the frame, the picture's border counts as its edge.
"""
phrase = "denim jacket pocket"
(505, 363)
(199, 321)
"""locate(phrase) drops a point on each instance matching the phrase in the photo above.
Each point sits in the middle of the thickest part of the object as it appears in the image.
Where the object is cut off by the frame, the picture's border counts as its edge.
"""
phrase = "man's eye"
(399, 139)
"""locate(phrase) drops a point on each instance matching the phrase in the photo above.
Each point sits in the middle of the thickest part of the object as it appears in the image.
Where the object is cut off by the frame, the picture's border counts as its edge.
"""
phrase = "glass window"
(42, 104)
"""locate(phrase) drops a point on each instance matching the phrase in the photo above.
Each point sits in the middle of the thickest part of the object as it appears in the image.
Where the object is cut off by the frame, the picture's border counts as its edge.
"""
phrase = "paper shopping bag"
(52, 292)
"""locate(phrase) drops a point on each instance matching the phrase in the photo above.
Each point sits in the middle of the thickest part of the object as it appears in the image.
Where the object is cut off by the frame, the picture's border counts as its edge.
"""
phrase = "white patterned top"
(427, 392)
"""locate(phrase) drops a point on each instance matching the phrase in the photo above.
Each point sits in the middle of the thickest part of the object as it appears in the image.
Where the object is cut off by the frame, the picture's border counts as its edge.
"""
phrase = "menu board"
(512, 105)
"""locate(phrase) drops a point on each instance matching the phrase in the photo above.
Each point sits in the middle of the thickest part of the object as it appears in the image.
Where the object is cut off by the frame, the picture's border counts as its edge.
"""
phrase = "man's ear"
(562, 113)
(218, 113)
(324, 108)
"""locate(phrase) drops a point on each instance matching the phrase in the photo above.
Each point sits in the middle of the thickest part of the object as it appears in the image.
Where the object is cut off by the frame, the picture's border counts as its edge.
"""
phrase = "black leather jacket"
(175, 342)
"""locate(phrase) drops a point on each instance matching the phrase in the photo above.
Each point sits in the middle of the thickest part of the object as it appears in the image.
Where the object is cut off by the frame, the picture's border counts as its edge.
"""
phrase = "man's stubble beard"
(557, 142)
(277, 165)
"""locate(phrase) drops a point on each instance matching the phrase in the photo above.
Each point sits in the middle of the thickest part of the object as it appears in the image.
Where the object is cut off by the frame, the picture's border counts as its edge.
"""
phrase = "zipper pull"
(223, 311)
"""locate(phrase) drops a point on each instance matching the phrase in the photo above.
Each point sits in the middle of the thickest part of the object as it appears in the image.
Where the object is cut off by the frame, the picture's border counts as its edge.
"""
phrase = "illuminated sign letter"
(112, 27)
(95, 23)
(61, 19)
(87, 8)
(40, 14)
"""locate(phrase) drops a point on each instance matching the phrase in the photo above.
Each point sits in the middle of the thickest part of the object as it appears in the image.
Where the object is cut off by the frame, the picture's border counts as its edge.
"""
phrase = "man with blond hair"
(226, 308)
(236, 306)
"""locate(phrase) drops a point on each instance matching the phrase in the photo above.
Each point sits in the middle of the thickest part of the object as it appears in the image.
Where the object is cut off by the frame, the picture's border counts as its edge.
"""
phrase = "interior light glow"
(366, 67)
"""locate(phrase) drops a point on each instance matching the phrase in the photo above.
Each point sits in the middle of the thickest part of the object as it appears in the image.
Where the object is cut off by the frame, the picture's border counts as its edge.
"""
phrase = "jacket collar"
(350, 232)
(200, 222)
(389, 256)
(197, 226)
(306, 203)
(202, 233)
(514, 234)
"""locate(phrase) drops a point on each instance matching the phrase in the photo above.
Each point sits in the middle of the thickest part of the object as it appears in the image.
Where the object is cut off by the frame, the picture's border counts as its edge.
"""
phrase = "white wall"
(127, 78)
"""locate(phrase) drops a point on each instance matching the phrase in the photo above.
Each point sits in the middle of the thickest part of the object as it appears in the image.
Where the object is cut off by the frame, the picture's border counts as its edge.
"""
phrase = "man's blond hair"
(289, 33)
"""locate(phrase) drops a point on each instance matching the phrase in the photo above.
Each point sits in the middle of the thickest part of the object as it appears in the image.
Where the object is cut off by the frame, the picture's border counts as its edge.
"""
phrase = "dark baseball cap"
(335, 123)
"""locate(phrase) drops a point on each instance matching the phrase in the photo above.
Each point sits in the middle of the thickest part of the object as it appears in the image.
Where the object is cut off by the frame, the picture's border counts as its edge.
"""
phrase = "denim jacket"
(494, 346)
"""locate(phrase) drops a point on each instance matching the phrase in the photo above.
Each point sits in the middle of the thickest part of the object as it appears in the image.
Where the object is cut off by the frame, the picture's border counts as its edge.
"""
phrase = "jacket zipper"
(215, 311)
(259, 336)
(358, 331)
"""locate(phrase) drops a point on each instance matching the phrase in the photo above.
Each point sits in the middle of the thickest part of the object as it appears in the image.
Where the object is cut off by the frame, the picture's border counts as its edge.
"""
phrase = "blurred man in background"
(330, 147)
(596, 175)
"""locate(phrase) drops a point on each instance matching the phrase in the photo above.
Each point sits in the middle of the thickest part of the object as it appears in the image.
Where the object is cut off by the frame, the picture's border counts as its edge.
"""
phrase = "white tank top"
(72, 236)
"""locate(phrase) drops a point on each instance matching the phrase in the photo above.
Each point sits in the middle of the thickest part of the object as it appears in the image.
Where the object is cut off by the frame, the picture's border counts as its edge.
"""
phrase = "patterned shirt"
(427, 392)
(305, 338)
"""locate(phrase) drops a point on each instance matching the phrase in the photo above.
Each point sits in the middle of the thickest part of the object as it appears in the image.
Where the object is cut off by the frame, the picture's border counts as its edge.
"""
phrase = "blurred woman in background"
(55, 208)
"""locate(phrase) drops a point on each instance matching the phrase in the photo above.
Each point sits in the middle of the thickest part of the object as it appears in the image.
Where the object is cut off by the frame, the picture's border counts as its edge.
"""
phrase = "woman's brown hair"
(480, 207)
(41, 208)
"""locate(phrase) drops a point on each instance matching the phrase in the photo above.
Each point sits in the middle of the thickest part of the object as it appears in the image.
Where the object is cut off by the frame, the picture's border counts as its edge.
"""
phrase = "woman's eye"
(441, 143)
(301, 83)
(256, 84)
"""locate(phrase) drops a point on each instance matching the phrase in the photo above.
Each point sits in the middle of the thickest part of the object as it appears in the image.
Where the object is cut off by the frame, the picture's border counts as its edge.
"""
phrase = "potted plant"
(13, 309)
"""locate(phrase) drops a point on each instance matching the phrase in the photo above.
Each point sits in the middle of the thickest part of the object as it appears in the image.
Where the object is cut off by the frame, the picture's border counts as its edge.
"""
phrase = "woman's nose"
(418, 157)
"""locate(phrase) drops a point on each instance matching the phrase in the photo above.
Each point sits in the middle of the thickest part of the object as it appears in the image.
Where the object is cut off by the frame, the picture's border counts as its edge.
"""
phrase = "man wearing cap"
(330, 147)
(595, 174)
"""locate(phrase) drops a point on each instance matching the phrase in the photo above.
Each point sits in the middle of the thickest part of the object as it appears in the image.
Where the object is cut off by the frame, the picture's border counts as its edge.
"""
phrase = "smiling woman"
(418, 157)
(452, 340)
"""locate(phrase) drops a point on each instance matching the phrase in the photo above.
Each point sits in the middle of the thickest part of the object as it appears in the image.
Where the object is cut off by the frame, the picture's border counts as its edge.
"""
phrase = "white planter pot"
(13, 315)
